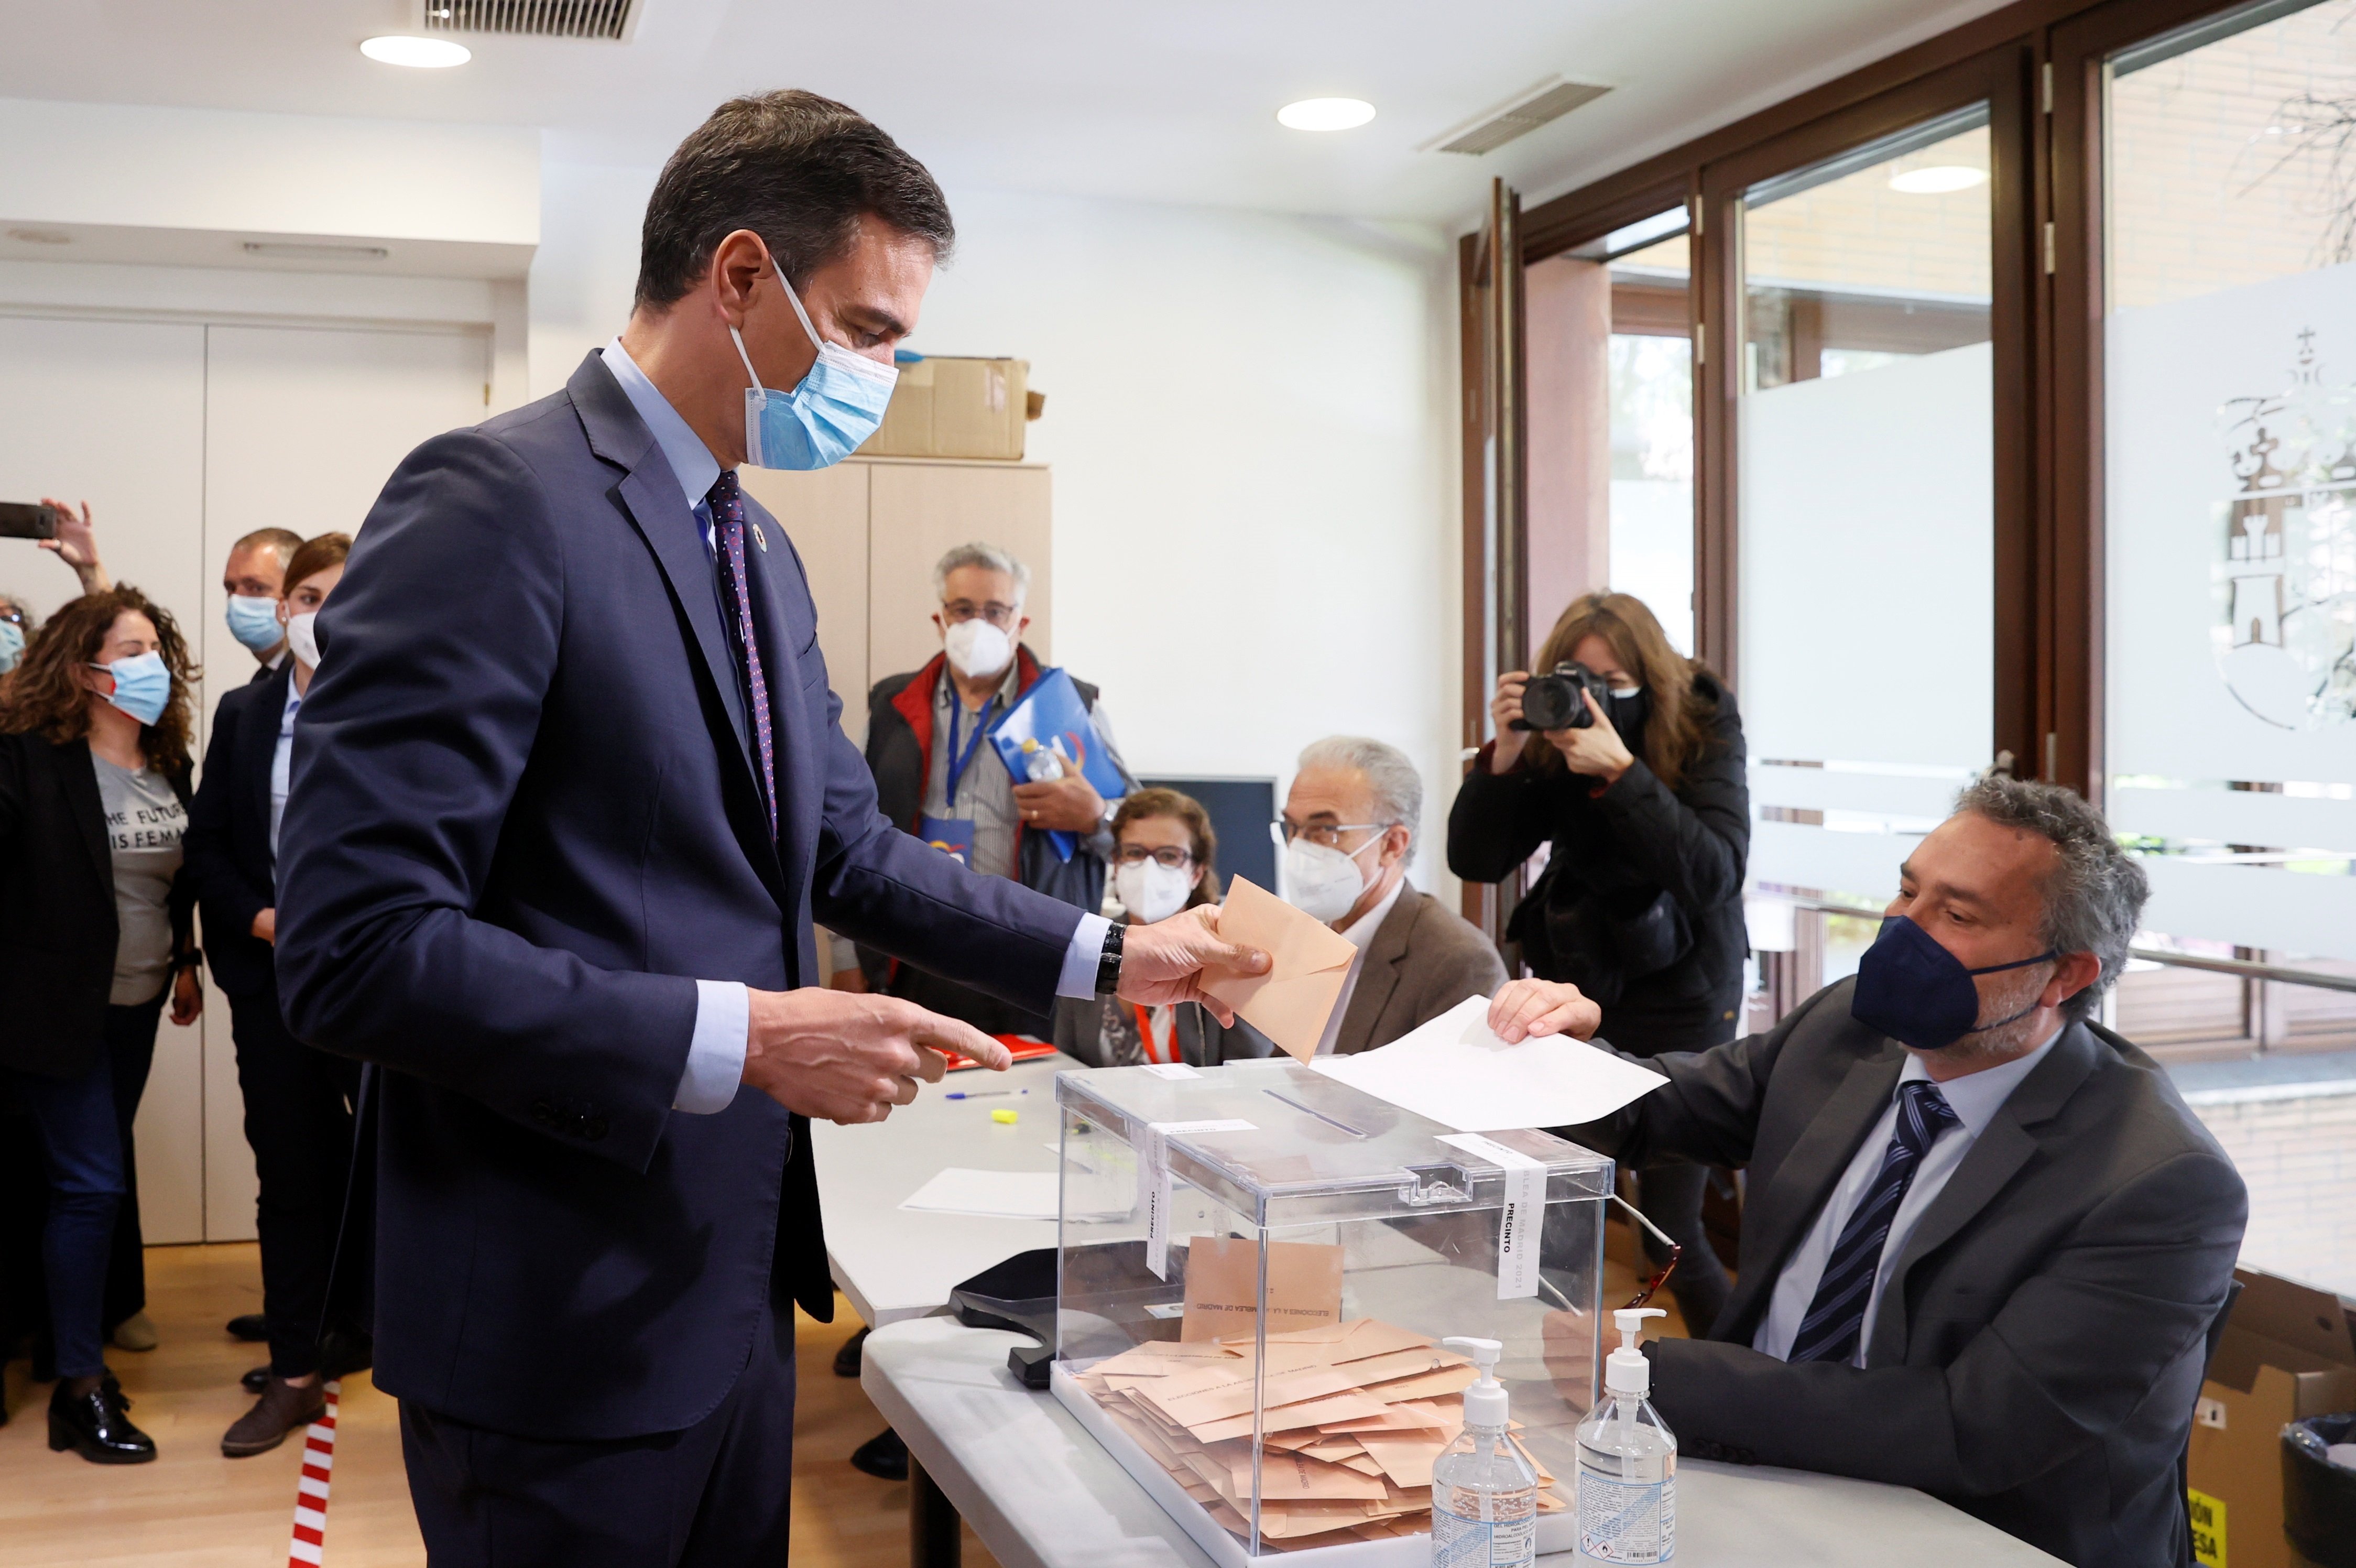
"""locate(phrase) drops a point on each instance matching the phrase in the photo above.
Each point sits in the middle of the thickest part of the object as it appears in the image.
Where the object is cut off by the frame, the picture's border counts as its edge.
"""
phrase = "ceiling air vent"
(1550, 100)
(534, 19)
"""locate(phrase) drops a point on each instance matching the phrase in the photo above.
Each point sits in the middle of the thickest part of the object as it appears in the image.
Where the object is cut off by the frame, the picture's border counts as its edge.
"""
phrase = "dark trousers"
(83, 1125)
(298, 1122)
(718, 1495)
(130, 1054)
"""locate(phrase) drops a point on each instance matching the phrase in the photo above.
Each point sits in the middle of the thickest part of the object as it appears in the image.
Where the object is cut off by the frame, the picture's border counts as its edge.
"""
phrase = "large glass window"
(1651, 374)
(1611, 424)
(2230, 571)
(1866, 511)
(2231, 519)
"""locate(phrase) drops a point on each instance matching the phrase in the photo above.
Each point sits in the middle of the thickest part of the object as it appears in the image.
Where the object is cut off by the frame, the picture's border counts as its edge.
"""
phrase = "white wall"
(1251, 421)
(279, 173)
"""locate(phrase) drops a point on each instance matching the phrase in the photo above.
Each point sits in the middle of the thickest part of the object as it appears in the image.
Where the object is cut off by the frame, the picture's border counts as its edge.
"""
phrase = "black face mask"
(1919, 993)
(1628, 711)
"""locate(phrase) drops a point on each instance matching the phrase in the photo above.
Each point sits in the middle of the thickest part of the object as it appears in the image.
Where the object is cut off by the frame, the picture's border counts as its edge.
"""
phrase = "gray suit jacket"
(1424, 959)
(2040, 1342)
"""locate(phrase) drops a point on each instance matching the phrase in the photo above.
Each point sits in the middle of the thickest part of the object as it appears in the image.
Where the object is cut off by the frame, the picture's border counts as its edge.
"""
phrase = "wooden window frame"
(2038, 63)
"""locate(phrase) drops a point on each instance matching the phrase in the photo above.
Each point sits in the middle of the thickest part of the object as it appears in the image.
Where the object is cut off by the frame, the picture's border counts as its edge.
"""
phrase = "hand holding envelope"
(1309, 960)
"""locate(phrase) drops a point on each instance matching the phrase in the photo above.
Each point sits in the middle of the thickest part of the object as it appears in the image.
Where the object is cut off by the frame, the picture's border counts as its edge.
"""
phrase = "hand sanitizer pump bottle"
(1627, 1460)
(1485, 1495)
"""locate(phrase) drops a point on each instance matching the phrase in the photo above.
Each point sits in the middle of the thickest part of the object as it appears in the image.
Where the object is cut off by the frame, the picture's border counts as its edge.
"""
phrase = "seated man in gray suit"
(1984, 1238)
(1348, 832)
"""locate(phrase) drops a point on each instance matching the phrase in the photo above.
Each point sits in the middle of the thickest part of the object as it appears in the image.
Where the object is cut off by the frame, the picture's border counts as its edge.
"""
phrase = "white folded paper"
(1001, 1195)
(1458, 1073)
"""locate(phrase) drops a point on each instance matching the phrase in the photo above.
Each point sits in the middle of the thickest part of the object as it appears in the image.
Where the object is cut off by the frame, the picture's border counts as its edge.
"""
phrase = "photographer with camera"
(1636, 783)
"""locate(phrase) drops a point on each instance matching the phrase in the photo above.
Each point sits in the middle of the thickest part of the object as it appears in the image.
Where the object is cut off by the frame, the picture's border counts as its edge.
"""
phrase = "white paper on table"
(1001, 1195)
(1458, 1073)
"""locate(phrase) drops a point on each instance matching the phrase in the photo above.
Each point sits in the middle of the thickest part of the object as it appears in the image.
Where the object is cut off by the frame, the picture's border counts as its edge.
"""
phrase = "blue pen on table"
(982, 1093)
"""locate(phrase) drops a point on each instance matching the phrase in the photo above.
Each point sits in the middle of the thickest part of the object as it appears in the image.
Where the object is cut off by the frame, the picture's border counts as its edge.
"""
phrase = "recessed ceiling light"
(1938, 180)
(425, 53)
(1326, 114)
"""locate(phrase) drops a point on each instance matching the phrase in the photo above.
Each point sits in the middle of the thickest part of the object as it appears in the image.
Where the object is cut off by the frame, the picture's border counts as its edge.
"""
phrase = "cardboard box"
(957, 408)
(2285, 1353)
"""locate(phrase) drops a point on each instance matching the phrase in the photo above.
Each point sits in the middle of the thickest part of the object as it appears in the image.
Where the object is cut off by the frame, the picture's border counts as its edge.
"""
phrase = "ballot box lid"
(1282, 1144)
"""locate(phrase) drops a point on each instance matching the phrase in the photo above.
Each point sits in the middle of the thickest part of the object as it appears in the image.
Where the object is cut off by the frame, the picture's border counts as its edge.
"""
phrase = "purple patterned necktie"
(727, 502)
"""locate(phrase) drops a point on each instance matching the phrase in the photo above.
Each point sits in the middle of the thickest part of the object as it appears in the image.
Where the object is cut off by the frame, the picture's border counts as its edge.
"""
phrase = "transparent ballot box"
(1256, 1268)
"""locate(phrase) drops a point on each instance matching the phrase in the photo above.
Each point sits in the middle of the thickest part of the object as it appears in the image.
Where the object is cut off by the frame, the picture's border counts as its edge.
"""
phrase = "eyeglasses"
(1169, 858)
(1676, 1252)
(1002, 616)
(1328, 834)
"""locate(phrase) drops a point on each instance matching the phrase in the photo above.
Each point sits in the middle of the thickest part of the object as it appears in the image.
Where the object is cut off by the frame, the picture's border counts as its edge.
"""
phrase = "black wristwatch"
(1108, 962)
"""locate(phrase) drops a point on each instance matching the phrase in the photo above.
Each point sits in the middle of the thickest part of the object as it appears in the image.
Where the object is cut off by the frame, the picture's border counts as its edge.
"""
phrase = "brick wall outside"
(2295, 1145)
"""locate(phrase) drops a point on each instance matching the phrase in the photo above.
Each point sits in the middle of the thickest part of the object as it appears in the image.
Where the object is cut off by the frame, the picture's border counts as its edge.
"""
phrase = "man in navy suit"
(568, 792)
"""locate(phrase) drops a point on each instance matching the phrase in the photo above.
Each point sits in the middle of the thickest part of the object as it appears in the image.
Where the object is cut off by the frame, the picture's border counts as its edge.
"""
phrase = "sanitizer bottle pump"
(1485, 1495)
(1627, 1460)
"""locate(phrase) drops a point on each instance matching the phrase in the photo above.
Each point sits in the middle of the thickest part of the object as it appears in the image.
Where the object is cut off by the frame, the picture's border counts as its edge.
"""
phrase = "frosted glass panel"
(1867, 552)
(2231, 471)
(1865, 520)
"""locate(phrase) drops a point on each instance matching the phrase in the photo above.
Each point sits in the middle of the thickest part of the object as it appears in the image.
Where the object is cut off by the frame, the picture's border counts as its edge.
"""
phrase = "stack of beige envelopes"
(1355, 1414)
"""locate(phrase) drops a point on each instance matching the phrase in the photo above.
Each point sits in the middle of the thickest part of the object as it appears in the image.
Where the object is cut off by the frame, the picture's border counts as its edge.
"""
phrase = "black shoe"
(95, 1428)
(846, 1360)
(883, 1456)
(256, 1379)
(249, 1326)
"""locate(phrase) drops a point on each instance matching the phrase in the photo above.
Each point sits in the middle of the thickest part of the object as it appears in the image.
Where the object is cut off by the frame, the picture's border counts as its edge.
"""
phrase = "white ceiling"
(1168, 101)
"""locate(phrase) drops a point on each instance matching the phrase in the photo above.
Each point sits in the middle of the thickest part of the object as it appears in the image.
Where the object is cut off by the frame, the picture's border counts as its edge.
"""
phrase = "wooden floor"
(192, 1509)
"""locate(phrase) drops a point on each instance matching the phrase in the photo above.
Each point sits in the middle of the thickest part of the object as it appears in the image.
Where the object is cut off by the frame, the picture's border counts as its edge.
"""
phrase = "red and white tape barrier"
(310, 1542)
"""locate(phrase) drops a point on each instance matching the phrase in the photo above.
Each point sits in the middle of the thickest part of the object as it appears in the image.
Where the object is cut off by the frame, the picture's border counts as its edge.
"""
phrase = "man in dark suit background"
(568, 791)
(1983, 1237)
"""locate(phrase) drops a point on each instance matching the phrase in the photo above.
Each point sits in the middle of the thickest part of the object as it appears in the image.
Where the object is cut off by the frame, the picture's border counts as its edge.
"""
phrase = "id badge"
(953, 836)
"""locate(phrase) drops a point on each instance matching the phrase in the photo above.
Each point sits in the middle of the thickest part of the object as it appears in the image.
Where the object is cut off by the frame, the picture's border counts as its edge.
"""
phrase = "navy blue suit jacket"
(227, 847)
(524, 818)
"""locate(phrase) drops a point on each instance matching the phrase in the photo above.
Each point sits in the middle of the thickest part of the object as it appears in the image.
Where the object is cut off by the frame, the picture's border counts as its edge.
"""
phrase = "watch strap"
(1108, 962)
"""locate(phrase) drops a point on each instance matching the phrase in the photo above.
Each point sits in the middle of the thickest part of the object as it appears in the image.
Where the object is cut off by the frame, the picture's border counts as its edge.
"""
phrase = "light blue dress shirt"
(1974, 1098)
(281, 763)
(723, 1008)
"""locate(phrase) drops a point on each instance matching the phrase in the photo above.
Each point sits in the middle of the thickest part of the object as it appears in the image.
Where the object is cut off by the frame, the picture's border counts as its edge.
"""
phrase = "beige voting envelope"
(1308, 961)
(1304, 1286)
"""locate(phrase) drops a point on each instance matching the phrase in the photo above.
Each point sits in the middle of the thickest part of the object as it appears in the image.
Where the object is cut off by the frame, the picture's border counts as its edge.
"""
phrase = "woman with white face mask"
(94, 755)
(296, 1097)
(1164, 861)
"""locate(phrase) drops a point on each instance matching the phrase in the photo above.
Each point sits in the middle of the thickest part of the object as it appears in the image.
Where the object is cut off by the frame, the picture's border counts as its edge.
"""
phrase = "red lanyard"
(1155, 1050)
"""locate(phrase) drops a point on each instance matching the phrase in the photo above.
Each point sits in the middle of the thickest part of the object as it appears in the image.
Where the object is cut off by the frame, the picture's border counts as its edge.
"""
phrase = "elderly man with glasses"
(1346, 837)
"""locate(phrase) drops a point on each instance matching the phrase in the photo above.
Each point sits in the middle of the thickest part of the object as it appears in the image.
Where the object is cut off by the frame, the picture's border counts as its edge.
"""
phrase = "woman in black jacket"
(1647, 815)
(95, 933)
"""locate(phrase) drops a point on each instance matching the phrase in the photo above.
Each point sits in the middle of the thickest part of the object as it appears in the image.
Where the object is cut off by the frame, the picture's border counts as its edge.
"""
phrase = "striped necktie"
(1836, 1317)
(727, 502)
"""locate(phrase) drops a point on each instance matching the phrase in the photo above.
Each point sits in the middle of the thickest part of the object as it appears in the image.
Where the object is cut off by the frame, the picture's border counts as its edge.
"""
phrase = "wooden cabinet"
(869, 529)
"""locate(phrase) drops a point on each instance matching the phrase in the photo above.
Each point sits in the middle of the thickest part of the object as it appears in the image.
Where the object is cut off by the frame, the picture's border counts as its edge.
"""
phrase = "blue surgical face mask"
(254, 622)
(1919, 993)
(12, 645)
(143, 685)
(824, 420)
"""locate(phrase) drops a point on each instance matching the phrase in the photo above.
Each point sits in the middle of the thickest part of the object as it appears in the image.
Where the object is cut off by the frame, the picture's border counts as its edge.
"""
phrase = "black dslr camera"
(1557, 701)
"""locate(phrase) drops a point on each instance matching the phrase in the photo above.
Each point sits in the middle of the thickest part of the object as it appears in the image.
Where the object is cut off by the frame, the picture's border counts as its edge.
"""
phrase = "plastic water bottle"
(1485, 1495)
(1040, 764)
(1627, 1460)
